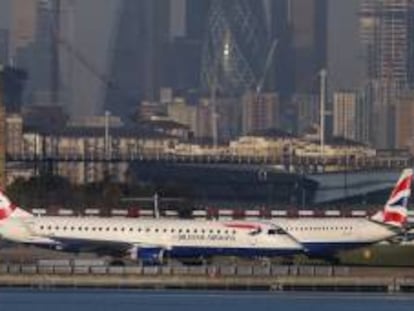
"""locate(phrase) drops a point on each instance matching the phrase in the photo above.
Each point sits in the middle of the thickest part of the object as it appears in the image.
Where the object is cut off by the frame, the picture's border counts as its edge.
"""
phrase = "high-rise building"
(364, 116)
(307, 107)
(281, 77)
(308, 27)
(385, 29)
(204, 117)
(4, 46)
(404, 130)
(260, 112)
(184, 52)
(14, 134)
(142, 34)
(344, 115)
(345, 69)
(196, 18)
(385, 32)
(23, 24)
(235, 47)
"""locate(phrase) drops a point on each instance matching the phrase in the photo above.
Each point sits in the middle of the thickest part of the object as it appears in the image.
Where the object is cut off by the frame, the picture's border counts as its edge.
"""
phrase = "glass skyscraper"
(235, 47)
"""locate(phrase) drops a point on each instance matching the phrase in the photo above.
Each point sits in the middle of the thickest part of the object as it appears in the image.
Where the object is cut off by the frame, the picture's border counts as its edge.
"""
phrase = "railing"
(207, 270)
(349, 163)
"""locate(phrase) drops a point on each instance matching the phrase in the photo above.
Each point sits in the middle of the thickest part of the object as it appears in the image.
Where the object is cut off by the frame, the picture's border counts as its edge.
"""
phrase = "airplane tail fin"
(10, 210)
(395, 210)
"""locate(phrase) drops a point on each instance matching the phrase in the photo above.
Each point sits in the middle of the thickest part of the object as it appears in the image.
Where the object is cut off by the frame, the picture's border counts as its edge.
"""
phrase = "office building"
(234, 47)
(344, 115)
(138, 60)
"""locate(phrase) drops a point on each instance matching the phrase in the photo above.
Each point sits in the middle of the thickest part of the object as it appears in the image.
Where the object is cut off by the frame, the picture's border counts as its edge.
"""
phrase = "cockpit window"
(278, 231)
(256, 231)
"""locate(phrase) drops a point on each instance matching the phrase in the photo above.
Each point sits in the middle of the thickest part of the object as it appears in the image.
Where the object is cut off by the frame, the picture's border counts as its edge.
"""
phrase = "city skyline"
(136, 52)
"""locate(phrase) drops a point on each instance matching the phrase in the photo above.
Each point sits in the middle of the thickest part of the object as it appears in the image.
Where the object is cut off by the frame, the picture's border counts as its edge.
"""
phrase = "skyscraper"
(282, 74)
(404, 127)
(138, 54)
(4, 46)
(196, 18)
(308, 21)
(235, 47)
(344, 115)
(23, 24)
(385, 29)
(344, 62)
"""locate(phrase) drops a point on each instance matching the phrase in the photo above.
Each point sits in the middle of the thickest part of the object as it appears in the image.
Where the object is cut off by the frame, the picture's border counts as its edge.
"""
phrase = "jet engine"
(148, 255)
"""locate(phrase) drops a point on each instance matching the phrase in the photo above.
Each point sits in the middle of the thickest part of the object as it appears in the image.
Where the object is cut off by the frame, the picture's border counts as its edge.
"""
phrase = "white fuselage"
(329, 235)
(176, 237)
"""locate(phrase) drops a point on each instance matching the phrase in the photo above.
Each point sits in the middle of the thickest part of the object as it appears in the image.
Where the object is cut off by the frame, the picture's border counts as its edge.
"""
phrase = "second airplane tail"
(395, 210)
(9, 210)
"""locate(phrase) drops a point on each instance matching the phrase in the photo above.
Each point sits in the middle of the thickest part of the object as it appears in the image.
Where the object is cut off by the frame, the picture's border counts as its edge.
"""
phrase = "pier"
(212, 277)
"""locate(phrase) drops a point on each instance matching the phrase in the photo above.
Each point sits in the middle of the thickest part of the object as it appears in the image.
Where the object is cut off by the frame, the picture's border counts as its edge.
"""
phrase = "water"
(82, 300)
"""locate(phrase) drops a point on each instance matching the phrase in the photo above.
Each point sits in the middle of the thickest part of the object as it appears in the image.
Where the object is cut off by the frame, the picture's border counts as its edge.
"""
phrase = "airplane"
(324, 237)
(150, 241)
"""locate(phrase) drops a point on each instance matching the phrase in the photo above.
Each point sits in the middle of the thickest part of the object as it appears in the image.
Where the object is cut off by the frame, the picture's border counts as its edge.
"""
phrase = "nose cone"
(292, 244)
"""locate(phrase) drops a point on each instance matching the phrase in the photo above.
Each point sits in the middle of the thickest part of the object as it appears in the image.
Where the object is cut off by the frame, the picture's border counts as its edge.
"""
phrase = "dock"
(259, 278)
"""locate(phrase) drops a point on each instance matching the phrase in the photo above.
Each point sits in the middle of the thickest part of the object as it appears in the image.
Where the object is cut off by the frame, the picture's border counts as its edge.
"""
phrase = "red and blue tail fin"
(8, 209)
(395, 210)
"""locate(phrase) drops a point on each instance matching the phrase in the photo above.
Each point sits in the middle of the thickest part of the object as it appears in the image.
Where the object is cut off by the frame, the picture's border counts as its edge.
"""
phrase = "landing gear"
(117, 263)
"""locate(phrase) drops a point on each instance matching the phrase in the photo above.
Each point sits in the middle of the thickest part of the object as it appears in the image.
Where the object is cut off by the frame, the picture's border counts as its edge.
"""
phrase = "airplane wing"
(111, 248)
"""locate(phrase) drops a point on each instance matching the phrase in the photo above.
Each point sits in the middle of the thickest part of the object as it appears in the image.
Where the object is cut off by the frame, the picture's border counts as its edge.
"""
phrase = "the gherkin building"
(235, 46)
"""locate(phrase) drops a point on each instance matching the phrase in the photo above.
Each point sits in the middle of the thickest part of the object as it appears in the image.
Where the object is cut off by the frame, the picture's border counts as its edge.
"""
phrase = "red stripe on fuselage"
(242, 226)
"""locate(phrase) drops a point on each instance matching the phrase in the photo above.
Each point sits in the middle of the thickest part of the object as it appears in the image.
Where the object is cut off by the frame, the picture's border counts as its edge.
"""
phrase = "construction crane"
(267, 65)
(63, 42)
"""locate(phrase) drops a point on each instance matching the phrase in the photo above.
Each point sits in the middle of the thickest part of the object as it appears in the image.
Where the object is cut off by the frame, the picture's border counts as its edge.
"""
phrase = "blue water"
(86, 300)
